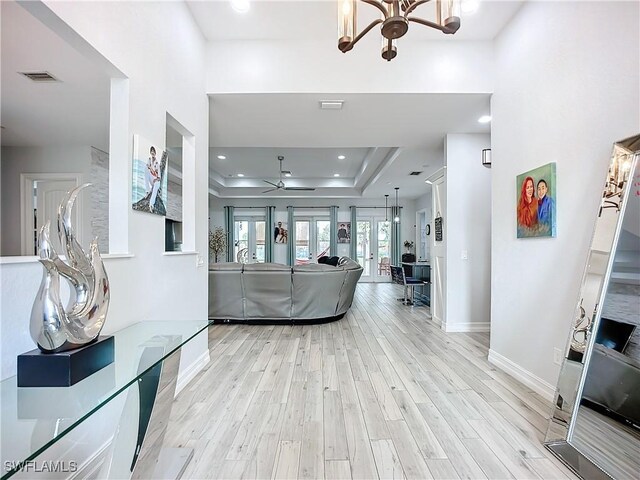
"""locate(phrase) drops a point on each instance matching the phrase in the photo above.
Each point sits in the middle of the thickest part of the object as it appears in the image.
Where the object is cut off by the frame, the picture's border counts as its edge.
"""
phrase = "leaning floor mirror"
(595, 426)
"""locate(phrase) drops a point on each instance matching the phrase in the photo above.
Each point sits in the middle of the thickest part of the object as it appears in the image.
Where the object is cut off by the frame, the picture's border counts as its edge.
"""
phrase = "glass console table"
(111, 424)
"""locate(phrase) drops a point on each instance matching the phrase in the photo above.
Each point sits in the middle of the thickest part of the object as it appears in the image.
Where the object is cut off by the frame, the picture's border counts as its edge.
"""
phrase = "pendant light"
(397, 217)
(386, 201)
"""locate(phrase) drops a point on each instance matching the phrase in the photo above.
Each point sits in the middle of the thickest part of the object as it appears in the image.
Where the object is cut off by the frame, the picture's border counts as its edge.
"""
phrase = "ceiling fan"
(280, 185)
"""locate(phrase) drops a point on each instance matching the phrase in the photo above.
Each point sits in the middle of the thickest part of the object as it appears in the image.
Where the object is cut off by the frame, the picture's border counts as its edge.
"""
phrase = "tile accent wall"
(99, 177)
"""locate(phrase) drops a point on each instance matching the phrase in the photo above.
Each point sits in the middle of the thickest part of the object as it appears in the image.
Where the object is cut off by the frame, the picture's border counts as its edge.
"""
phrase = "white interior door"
(438, 253)
(41, 198)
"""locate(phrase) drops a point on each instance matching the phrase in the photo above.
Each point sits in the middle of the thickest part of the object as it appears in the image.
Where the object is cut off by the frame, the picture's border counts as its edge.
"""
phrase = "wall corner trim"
(538, 385)
(191, 371)
(467, 327)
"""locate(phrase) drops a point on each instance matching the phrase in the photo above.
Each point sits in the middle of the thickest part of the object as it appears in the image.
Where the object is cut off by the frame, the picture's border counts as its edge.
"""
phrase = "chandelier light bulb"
(484, 119)
(346, 7)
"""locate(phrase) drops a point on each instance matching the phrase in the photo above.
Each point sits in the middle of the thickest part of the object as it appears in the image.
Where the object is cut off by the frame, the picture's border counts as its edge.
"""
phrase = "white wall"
(159, 48)
(314, 66)
(468, 230)
(216, 214)
(567, 77)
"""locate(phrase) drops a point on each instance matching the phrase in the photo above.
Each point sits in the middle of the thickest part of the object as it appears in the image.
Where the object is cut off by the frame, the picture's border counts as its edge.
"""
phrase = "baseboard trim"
(535, 383)
(192, 370)
(91, 466)
(468, 327)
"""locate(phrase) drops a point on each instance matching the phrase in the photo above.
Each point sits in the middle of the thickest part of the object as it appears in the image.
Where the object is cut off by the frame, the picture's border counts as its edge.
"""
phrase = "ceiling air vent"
(40, 76)
(415, 174)
(331, 104)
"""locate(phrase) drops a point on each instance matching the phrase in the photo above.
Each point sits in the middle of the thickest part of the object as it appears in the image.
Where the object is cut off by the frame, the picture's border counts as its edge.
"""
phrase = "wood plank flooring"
(382, 393)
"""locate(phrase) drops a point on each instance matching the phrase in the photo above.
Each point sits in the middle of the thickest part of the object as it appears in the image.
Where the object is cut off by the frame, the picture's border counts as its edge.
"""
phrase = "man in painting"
(152, 176)
(527, 205)
(545, 204)
(343, 235)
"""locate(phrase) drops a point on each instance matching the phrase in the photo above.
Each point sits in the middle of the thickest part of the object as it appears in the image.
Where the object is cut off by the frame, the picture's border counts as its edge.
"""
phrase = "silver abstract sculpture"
(56, 328)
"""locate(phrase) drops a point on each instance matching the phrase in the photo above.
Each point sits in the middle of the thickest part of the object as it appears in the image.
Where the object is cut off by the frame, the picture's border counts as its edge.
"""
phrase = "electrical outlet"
(557, 356)
(199, 261)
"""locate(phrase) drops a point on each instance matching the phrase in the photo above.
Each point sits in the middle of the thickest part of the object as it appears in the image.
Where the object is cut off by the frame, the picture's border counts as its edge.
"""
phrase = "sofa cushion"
(267, 291)
(316, 291)
(314, 267)
(226, 266)
(266, 267)
(348, 264)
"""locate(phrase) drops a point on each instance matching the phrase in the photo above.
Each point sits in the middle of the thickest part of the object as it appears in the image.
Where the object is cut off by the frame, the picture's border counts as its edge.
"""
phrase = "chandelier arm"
(362, 34)
(427, 23)
(378, 5)
(415, 5)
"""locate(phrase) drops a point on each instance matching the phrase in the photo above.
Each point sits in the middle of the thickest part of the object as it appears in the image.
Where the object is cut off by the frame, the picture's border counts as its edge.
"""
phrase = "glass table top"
(23, 408)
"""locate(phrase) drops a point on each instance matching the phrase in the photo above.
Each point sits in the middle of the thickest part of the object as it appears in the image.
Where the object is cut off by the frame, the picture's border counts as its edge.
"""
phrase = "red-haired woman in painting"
(528, 205)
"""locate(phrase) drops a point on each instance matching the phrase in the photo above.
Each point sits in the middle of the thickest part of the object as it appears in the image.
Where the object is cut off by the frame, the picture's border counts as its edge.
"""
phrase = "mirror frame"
(581, 337)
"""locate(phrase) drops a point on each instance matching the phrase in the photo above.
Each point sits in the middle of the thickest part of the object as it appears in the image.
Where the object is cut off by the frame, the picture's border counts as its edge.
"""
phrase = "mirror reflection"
(606, 427)
(55, 134)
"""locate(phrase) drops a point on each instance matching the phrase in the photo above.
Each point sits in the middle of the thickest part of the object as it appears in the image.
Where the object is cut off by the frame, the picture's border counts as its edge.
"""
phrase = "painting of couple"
(536, 206)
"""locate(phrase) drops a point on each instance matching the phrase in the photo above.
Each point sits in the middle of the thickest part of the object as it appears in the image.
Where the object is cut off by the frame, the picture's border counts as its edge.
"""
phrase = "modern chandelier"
(396, 15)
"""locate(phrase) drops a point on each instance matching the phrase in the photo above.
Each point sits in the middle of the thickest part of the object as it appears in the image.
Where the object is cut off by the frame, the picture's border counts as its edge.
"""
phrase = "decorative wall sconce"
(486, 157)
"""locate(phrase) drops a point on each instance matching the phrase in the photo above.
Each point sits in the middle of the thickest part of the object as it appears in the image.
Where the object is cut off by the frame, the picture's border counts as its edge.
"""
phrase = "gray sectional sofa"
(275, 293)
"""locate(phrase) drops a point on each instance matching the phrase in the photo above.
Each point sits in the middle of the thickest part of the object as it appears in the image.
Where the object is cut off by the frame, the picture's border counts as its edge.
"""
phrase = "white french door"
(374, 249)
(250, 240)
(312, 239)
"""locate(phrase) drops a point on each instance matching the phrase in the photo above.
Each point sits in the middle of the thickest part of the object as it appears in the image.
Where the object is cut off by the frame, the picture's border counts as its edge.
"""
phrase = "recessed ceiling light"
(469, 6)
(288, 174)
(341, 157)
(241, 175)
(336, 174)
(484, 119)
(240, 6)
(221, 157)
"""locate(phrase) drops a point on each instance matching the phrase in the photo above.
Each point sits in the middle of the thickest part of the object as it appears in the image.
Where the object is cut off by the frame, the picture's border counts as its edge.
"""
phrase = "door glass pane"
(260, 241)
(322, 238)
(364, 246)
(241, 247)
(384, 248)
(302, 242)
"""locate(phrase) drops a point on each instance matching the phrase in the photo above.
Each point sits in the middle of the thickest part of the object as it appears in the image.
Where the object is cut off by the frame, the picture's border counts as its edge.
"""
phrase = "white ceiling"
(312, 19)
(383, 136)
(400, 132)
(74, 111)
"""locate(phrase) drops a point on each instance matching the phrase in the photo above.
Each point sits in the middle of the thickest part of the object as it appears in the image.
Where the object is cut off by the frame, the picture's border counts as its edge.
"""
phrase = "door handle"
(371, 257)
(254, 256)
(310, 256)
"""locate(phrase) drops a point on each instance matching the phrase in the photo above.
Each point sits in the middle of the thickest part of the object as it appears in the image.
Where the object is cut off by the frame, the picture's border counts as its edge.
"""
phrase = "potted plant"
(408, 245)
(217, 242)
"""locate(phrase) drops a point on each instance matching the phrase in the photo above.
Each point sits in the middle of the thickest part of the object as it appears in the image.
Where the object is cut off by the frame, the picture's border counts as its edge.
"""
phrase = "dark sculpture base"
(37, 369)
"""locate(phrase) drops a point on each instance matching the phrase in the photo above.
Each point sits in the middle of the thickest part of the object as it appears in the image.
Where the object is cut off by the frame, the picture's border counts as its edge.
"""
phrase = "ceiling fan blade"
(270, 190)
(270, 183)
(300, 189)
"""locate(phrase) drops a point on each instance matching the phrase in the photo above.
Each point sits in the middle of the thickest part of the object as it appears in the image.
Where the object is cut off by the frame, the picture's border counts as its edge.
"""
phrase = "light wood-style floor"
(382, 393)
